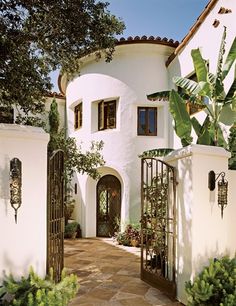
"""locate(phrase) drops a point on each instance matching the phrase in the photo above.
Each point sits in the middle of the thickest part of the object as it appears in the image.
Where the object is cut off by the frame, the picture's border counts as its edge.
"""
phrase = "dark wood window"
(107, 115)
(147, 121)
(6, 115)
(78, 111)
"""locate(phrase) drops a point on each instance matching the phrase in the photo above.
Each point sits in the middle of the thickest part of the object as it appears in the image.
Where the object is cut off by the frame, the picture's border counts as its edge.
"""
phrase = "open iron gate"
(158, 224)
(55, 214)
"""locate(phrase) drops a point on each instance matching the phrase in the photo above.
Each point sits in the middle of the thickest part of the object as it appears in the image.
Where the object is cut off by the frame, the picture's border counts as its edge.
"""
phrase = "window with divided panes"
(147, 121)
(78, 111)
(106, 115)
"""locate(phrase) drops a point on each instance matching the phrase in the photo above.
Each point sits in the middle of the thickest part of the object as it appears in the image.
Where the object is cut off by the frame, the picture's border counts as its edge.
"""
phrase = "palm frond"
(157, 96)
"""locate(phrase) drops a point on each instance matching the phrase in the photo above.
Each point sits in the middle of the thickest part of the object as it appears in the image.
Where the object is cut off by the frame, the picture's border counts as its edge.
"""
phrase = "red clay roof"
(144, 39)
(55, 94)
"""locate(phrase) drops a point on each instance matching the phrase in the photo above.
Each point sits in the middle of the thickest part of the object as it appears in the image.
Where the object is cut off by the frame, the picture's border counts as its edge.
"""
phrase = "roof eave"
(192, 30)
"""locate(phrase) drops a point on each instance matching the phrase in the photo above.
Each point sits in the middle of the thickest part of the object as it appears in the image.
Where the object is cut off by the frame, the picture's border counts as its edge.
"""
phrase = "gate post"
(23, 244)
(201, 232)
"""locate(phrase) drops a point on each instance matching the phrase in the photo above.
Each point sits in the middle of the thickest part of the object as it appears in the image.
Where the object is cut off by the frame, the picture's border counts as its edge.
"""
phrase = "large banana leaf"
(229, 59)
(161, 95)
(215, 131)
(181, 117)
(193, 88)
(231, 95)
(219, 80)
(227, 115)
(188, 85)
(199, 65)
(202, 131)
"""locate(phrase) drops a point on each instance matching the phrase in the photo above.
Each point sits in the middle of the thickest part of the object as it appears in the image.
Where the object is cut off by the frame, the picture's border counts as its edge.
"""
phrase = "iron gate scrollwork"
(55, 214)
(158, 224)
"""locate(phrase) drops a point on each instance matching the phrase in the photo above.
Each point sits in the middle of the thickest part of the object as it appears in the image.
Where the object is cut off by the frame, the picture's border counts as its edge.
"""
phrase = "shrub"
(132, 232)
(35, 291)
(71, 229)
(215, 285)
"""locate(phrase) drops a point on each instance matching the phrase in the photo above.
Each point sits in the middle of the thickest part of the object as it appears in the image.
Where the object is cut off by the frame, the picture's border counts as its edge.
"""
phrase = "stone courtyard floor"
(109, 275)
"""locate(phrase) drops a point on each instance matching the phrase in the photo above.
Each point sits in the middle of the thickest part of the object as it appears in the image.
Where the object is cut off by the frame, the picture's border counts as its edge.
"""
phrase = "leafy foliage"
(232, 147)
(39, 36)
(207, 92)
(70, 229)
(156, 153)
(131, 232)
(35, 291)
(75, 159)
(215, 285)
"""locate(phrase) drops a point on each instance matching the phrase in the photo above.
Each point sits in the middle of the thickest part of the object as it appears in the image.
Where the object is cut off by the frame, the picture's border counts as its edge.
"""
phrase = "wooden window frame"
(78, 114)
(147, 133)
(107, 115)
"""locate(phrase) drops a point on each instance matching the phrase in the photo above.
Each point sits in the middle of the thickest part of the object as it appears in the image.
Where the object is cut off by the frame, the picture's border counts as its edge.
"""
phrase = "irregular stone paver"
(109, 275)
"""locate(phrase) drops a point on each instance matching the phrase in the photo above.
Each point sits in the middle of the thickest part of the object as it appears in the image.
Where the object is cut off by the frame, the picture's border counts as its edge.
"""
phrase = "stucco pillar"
(201, 232)
(23, 244)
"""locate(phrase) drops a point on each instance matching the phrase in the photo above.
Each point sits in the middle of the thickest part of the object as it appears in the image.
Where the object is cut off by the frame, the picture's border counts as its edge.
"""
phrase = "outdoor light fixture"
(15, 185)
(222, 188)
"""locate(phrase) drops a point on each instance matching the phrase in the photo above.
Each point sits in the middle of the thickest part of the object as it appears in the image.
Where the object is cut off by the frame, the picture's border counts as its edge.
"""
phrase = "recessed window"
(78, 111)
(106, 115)
(147, 121)
(6, 115)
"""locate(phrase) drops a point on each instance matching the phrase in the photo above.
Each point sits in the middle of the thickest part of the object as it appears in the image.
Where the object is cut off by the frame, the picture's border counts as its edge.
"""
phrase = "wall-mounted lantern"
(15, 185)
(222, 188)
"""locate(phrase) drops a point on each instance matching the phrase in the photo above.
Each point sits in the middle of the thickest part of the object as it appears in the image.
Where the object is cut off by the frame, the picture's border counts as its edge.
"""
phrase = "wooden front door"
(108, 205)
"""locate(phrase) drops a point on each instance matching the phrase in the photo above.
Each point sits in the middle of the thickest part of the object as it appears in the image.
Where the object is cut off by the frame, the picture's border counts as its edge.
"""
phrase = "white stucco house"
(107, 101)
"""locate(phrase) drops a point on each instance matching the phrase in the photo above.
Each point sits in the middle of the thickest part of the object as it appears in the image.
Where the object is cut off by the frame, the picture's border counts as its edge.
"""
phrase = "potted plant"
(135, 237)
(71, 230)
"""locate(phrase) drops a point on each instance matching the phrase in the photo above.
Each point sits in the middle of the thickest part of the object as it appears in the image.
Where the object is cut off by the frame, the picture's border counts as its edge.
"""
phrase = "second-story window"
(147, 121)
(78, 111)
(107, 115)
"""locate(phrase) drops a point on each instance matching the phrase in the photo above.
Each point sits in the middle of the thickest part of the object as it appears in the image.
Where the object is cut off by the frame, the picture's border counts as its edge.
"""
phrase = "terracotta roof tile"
(145, 39)
(55, 94)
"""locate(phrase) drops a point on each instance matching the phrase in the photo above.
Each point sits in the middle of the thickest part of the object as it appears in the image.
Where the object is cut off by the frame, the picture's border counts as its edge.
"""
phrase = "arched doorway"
(108, 205)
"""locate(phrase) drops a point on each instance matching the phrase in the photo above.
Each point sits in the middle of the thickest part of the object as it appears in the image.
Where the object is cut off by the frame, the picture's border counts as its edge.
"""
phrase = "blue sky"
(164, 18)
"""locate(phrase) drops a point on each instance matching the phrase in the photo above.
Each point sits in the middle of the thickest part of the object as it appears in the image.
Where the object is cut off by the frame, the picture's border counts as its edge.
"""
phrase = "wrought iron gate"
(55, 214)
(158, 224)
(108, 205)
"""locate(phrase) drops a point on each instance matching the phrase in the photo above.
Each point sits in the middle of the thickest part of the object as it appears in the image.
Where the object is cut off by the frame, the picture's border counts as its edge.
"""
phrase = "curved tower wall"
(135, 71)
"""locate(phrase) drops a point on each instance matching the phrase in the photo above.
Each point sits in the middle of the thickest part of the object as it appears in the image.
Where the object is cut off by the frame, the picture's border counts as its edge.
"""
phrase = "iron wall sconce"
(15, 185)
(222, 188)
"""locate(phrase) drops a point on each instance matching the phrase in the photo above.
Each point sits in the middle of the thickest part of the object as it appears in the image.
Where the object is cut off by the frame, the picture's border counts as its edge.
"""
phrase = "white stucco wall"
(201, 232)
(208, 39)
(23, 244)
(135, 71)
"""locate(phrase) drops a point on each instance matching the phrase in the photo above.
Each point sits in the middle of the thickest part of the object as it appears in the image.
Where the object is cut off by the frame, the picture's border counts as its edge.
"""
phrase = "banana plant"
(208, 92)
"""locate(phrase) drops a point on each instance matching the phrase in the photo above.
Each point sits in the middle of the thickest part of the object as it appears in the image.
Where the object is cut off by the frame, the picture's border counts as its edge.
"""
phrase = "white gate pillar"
(23, 244)
(201, 232)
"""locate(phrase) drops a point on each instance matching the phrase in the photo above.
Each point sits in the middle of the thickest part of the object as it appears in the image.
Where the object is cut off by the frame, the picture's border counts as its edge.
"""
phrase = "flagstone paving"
(109, 275)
